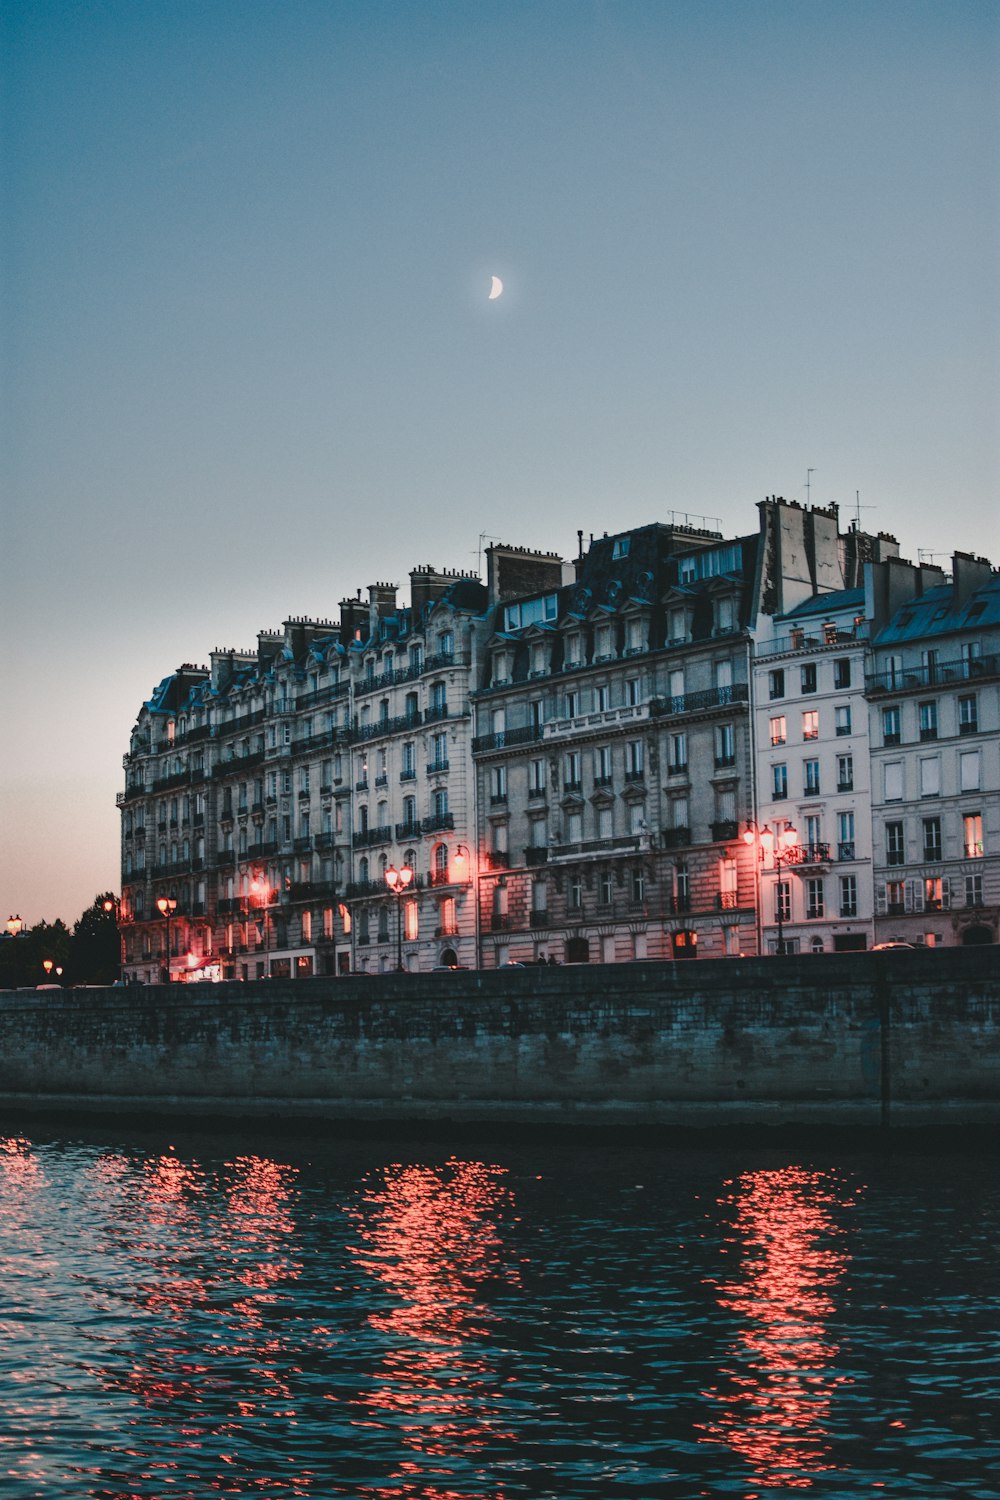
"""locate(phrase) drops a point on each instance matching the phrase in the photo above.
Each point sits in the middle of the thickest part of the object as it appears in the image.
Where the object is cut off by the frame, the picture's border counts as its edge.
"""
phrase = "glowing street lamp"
(260, 895)
(15, 930)
(776, 848)
(167, 906)
(398, 881)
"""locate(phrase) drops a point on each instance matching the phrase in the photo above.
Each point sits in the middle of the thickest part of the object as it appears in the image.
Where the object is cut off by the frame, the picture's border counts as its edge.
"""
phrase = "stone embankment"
(907, 1038)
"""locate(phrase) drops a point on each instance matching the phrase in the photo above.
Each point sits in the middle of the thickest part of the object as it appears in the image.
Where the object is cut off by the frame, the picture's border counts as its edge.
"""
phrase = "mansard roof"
(936, 613)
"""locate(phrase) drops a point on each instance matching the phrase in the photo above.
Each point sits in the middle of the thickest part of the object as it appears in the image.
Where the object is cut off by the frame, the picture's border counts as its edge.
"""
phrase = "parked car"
(881, 947)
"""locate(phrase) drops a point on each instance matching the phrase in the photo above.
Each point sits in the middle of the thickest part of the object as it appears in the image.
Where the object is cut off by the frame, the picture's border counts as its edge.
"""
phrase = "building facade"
(581, 762)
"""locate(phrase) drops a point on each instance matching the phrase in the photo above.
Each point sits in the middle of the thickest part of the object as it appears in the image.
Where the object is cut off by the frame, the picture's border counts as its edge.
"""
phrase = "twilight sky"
(249, 363)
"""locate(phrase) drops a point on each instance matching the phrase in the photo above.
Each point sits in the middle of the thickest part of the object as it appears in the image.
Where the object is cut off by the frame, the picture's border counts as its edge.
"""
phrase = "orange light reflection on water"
(430, 1237)
(775, 1409)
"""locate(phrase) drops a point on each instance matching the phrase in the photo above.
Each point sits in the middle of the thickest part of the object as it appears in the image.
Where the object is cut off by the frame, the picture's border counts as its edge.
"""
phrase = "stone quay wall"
(868, 1039)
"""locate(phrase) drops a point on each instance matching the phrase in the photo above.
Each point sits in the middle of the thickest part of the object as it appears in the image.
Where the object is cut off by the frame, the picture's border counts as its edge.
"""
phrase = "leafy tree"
(96, 948)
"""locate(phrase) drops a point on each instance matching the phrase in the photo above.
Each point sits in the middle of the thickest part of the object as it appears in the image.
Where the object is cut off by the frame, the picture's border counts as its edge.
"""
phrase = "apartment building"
(581, 762)
(934, 720)
(612, 755)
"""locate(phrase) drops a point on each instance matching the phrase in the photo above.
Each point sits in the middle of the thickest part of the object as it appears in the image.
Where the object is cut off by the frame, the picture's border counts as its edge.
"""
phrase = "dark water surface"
(258, 1315)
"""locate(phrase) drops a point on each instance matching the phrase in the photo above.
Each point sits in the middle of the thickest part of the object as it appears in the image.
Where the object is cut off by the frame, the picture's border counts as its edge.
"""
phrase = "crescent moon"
(496, 287)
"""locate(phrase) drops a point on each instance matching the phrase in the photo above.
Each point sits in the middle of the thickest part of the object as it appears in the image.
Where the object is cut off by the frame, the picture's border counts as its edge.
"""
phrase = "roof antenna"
(858, 508)
(809, 475)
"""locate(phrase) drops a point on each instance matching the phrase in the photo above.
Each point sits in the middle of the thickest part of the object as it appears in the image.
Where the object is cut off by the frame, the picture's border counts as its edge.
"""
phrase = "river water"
(192, 1315)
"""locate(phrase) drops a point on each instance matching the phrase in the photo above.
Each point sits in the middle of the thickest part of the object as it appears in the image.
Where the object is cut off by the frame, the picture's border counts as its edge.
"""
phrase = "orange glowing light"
(775, 1411)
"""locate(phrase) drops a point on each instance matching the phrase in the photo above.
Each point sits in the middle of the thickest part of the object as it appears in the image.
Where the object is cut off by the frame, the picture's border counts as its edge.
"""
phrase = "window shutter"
(881, 905)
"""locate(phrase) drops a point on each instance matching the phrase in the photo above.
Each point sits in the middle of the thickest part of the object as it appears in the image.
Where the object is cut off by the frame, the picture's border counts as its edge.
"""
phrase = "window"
(776, 684)
(968, 771)
(602, 765)
(971, 650)
(973, 890)
(890, 726)
(572, 705)
(633, 760)
(328, 922)
(845, 773)
(808, 677)
(439, 750)
(605, 888)
(842, 672)
(602, 699)
(815, 906)
(972, 835)
(929, 666)
(409, 770)
(932, 838)
(307, 926)
(968, 714)
(678, 752)
(411, 920)
(531, 612)
(633, 696)
(934, 898)
(894, 848)
(498, 784)
(575, 892)
(441, 803)
(682, 893)
(930, 776)
(638, 885)
(409, 812)
(446, 643)
(536, 778)
(810, 724)
(845, 835)
(782, 901)
(842, 718)
(725, 745)
(573, 776)
(446, 919)
(848, 895)
(779, 782)
(777, 730)
(928, 717)
(892, 779)
(810, 778)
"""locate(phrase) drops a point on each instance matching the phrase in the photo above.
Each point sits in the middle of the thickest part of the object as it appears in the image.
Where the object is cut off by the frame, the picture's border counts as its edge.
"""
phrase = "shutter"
(915, 895)
(945, 894)
(881, 905)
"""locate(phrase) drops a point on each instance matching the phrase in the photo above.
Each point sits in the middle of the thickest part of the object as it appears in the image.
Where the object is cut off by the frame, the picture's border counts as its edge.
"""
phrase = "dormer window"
(621, 546)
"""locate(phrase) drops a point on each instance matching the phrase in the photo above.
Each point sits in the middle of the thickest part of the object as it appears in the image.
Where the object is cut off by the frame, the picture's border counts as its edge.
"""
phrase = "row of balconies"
(920, 676)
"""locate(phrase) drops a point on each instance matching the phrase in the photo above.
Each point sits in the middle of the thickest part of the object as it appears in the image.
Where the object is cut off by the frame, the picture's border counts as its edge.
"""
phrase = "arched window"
(441, 859)
(363, 870)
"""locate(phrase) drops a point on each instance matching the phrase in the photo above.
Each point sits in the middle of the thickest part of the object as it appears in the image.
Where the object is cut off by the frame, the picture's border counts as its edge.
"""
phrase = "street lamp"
(167, 906)
(776, 848)
(398, 881)
(112, 904)
(260, 891)
(15, 930)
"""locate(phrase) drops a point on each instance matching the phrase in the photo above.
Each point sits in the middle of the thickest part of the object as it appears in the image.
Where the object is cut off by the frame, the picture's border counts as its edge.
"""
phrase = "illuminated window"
(810, 724)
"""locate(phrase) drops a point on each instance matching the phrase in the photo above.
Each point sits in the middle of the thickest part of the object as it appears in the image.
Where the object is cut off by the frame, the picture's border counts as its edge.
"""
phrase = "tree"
(96, 945)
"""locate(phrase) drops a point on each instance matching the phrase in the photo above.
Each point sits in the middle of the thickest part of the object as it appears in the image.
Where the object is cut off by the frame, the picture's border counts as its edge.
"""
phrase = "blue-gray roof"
(935, 613)
(826, 604)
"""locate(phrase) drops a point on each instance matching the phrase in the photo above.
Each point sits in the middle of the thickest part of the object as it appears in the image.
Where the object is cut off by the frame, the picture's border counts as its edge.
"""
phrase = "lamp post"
(112, 904)
(776, 848)
(398, 882)
(260, 892)
(15, 930)
(167, 906)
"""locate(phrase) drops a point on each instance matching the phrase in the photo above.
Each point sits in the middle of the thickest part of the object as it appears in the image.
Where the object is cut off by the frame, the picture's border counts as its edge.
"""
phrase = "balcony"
(498, 859)
(303, 844)
(572, 788)
(536, 856)
(678, 905)
(504, 739)
(325, 840)
(538, 919)
(726, 901)
(724, 762)
(499, 922)
(911, 678)
(814, 854)
(408, 830)
(438, 823)
(631, 777)
(408, 775)
(435, 766)
(846, 850)
(932, 854)
(708, 698)
(724, 831)
(676, 838)
(368, 837)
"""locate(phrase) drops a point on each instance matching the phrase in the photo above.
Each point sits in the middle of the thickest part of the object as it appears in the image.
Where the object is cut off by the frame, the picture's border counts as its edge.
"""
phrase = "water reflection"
(207, 1262)
(429, 1237)
(775, 1407)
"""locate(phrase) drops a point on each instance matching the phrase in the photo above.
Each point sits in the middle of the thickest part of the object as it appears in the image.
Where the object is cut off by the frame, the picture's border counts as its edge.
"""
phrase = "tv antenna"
(809, 475)
(858, 508)
(484, 536)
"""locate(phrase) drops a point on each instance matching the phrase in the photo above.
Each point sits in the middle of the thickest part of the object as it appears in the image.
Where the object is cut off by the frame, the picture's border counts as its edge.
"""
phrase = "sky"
(250, 364)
